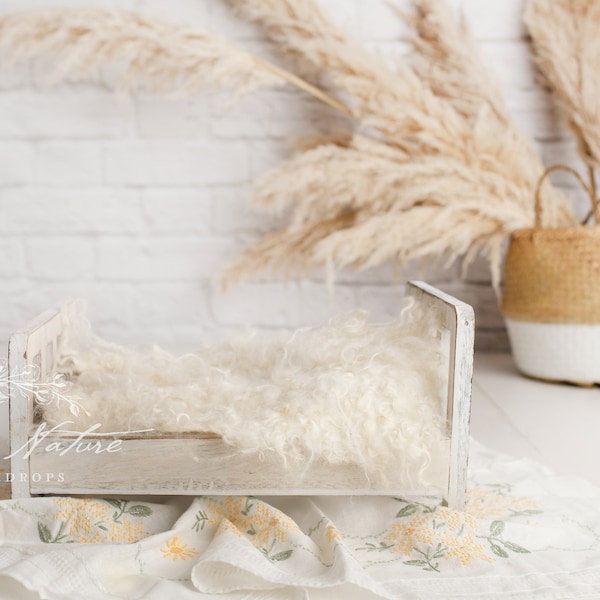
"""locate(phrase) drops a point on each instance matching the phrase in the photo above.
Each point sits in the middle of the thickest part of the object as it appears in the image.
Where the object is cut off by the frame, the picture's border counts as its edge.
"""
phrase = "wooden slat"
(203, 465)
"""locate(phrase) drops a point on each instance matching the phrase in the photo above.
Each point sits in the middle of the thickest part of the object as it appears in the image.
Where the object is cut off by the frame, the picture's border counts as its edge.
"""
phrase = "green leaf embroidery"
(140, 511)
(426, 508)
(44, 533)
(281, 555)
(415, 563)
(407, 511)
(369, 547)
(500, 489)
(496, 528)
(248, 506)
(427, 561)
(137, 510)
(516, 548)
(498, 551)
(201, 520)
(525, 513)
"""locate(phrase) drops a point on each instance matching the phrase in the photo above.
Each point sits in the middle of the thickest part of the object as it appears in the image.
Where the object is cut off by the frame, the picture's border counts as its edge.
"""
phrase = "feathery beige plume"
(383, 100)
(451, 176)
(154, 52)
(159, 54)
(445, 57)
(567, 47)
(425, 173)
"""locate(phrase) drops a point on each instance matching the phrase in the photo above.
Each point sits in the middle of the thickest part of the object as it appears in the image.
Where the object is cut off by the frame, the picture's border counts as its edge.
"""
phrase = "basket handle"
(586, 187)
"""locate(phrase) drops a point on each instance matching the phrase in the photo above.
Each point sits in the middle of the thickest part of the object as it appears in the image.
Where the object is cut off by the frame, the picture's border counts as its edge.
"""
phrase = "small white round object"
(556, 351)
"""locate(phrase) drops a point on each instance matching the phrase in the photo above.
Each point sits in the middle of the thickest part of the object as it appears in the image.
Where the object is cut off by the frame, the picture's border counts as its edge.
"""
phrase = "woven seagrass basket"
(551, 299)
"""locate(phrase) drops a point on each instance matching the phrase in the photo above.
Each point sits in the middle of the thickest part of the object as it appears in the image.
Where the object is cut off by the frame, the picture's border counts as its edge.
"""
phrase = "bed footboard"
(53, 462)
(458, 325)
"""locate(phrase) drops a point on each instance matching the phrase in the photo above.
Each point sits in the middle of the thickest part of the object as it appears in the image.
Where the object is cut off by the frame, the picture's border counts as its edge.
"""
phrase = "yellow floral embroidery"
(227, 525)
(456, 519)
(464, 548)
(428, 533)
(488, 504)
(403, 535)
(269, 523)
(232, 509)
(176, 550)
(90, 521)
(444, 539)
(265, 526)
(253, 517)
(333, 533)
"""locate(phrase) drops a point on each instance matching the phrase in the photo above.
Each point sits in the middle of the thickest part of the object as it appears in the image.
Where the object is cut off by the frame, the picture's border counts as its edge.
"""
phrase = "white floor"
(555, 424)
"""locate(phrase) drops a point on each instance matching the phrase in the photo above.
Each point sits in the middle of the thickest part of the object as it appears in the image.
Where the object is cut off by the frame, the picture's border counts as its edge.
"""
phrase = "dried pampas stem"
(158, 53)
(567, 47)
(304, 85)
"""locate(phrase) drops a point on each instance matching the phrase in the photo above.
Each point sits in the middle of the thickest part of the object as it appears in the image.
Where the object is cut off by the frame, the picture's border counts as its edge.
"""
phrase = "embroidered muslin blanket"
(526, 533)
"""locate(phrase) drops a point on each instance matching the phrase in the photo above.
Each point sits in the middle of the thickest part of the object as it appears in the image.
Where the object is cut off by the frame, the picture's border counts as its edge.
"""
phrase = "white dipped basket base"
(556, 351)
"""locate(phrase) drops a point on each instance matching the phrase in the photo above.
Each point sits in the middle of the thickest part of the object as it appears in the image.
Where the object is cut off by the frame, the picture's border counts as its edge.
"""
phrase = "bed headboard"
(32, 355)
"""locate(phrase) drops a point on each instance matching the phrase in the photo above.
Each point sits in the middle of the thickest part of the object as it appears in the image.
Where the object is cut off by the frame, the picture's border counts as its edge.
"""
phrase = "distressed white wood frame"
(163, 464)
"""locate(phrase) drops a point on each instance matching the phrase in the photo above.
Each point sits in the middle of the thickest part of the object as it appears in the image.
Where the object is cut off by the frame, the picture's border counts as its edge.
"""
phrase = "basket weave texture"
(552, 275)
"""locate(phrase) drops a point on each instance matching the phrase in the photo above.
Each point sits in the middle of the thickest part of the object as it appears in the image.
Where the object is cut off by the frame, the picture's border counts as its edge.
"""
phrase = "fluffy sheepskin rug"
(348, 392)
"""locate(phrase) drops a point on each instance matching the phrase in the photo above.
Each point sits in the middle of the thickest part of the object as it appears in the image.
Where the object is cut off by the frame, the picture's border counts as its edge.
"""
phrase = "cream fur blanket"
(348, 392)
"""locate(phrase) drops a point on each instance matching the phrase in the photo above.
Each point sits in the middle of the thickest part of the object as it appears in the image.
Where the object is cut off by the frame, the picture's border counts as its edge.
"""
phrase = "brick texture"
(137, 205)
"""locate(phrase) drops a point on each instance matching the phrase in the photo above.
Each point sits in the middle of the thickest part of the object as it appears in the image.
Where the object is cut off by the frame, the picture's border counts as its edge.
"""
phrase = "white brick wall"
(137, 205)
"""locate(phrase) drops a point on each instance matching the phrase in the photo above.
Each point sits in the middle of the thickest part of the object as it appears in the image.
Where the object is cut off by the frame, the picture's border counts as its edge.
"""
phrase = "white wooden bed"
(165, 464)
